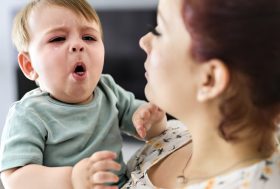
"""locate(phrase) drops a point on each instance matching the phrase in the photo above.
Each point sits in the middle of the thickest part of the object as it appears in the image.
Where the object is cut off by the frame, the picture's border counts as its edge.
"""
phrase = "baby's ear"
(26, 66)
(214, 80)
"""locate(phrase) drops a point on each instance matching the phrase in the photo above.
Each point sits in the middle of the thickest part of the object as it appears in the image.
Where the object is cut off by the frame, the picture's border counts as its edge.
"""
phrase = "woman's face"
(170, 70)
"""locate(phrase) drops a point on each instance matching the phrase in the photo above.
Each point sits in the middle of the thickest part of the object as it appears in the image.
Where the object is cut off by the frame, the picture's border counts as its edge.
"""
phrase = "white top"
(262, 175)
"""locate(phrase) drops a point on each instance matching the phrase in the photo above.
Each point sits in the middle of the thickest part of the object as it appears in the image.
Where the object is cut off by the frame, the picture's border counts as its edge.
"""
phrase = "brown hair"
(245, 35)
(20, 33)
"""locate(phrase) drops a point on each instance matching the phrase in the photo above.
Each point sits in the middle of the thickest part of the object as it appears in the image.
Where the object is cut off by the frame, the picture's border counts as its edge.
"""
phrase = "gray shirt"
(42, 130)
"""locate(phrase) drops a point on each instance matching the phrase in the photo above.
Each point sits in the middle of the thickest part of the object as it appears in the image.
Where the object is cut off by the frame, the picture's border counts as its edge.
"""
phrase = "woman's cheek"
(155, 60)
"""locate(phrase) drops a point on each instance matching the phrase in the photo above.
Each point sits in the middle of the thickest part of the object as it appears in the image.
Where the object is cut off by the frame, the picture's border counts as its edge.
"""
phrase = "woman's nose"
(144, 43)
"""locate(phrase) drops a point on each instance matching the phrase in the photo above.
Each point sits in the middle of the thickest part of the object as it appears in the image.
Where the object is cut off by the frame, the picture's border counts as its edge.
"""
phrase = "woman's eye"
(155, 32)
(57, 39)
(89, 38)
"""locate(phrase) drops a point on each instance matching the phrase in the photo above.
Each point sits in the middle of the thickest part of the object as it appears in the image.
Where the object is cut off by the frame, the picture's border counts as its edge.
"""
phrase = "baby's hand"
(148, 116)
(96, 171)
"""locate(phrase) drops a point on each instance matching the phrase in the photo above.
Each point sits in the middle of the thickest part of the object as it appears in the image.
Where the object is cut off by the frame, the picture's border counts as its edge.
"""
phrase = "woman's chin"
(149, 95)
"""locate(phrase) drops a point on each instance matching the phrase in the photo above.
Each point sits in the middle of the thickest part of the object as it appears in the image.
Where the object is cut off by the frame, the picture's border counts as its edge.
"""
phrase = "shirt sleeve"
(126, 104)
(23, 139)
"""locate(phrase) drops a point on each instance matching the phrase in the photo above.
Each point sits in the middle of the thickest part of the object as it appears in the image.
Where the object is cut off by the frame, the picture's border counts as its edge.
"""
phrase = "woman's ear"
(26, 66)
(213, 81)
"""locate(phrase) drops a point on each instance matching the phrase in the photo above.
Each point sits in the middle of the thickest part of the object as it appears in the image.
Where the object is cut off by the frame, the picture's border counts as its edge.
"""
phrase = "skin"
(71, 41)
(59, 41)
(191, 92)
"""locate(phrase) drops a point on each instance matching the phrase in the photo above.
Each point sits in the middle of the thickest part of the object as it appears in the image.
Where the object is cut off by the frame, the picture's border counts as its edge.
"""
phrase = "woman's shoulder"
(269, 172)
(262, 175)
(175, 136)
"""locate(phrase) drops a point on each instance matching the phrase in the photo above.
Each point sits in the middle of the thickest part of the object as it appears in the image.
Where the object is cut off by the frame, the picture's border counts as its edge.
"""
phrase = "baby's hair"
(20, 32)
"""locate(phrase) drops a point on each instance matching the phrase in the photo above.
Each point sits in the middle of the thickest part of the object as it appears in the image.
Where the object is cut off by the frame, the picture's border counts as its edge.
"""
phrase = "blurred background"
(123, 21)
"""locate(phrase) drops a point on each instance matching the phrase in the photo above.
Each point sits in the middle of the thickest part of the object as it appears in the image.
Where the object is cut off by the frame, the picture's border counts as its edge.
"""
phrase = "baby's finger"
(103, 177)
(145, 114)
(153, 108)
(157, 109)
(141, 131)
(139, 122)
(102, 155)
(105, 165)
(103, 187)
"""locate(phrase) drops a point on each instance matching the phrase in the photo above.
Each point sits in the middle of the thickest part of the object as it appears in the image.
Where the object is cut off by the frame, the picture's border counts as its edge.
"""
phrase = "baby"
(76, 114)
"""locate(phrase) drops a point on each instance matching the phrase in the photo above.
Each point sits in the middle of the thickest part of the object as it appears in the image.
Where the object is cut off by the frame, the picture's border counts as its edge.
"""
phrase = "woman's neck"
(213, 156)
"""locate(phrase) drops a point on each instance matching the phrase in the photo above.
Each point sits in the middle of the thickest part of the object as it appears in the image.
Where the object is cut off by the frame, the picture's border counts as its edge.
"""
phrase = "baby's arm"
(149, 121)
(37, 176)
(89, 173)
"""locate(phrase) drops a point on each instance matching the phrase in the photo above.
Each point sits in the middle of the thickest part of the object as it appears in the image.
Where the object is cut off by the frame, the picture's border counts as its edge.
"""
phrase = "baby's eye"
(57, 39)
(88, 38)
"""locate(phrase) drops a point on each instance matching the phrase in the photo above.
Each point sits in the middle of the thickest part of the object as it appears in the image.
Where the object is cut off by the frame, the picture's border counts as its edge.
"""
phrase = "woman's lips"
(146, 75)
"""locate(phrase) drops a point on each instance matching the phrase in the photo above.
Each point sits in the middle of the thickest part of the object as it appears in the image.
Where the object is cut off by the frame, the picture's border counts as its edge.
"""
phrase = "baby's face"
(67, 53)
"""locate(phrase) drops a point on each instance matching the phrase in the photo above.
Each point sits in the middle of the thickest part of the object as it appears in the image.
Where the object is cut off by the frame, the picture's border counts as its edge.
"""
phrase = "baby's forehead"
(54, 15)
(87, 13)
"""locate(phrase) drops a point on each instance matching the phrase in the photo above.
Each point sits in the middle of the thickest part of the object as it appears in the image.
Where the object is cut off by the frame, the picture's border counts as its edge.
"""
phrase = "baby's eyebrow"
(56, 29)
(64, 29)
(89, 28)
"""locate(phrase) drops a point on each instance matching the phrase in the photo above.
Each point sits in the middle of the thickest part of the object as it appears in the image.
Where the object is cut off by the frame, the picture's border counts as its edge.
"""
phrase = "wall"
(7, 66)
(8, 53)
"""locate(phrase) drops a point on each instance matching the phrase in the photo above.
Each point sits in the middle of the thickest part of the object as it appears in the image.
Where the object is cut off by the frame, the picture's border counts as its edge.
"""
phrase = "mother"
(215, 66)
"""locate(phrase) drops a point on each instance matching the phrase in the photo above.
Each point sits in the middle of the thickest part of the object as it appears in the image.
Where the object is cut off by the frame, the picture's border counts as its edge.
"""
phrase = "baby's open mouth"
(80, 69)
